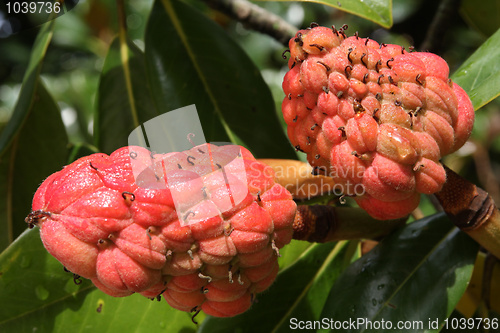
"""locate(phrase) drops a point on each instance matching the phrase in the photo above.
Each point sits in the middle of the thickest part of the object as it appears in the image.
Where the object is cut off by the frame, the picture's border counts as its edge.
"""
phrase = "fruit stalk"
(472, 210)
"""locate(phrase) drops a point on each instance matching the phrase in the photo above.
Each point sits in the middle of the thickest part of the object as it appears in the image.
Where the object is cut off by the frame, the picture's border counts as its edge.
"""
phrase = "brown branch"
(441, 21)
(329, 223)
(471, 209)
(255, 18)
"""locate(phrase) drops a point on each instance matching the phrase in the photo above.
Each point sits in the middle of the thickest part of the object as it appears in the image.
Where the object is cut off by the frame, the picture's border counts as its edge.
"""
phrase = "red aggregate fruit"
(375, 117)
(201, 227)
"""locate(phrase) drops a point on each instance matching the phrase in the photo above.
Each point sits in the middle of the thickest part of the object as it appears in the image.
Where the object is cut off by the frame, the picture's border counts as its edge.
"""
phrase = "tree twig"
(435, 33)
(472, 210)
(256, 18)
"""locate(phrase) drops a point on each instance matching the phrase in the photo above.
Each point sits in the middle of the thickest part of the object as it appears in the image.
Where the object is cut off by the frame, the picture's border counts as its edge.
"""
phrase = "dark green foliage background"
(80, 84)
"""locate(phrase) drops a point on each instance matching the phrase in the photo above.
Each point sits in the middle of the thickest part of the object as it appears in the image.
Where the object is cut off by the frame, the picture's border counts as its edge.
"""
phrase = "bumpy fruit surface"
(375, 117)
(114, 219)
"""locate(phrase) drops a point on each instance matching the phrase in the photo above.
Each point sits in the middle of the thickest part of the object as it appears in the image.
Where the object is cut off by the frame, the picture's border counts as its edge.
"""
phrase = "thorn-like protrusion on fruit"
(379, 78)
(169, 254)
(228, 229)
(324, 65)
(387, 62)
(362, 61)
(326, 90)
(358, 108)
(308, 140)
(102, 243)
(230, 273)
(297, 148)
(92, 166)
(129, 197)
(317, 156)
(314, 126)
(335, 31)
(342, 129)
(365, 77)
(316, 170)
(418, 167)
(367, 39)
(196, 311)
(283, 55)
(298, 39)
(295, 119)
(313, 25)
(189, 158)
(349, 54)
(378, 96)
(179, 166)
(363, 157)
(190, 254)
(240, 282)
(258, 197)
(339, 93)
(275, 248)
(417, 78)
(391, 80)
(206, 277)
(77, 279)
(289, 96)
(356, 34)
(204, 290)
(345, 70)
(377, 65)
(398, 103)
(342, 199)
(133, 155)
(188, 214)
(319, 47)
(35, 216)
(149, 231)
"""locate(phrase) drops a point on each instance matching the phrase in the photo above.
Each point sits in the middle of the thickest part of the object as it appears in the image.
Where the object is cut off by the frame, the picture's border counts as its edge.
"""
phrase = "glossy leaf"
(191, 60)
(479, 75)
(38, 150)
(25, 99)
(299, 289)
(417, 273)
(37, 295)
(124, 101)
(482, 15)
(378, 11)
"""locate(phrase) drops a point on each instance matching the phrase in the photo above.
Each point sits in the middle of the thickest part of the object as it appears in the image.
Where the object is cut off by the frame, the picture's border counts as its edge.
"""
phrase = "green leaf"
(416, 274)
(378, 11)
(124, 98)
(191, 60)
(299, 289)
(37, 295)
(38, 150)
(482, 15)
(479, 75)
(25, 99)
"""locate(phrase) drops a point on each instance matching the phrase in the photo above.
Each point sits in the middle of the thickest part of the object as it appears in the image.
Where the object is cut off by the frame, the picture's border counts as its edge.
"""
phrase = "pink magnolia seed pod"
(202, 227)
(373, 115)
